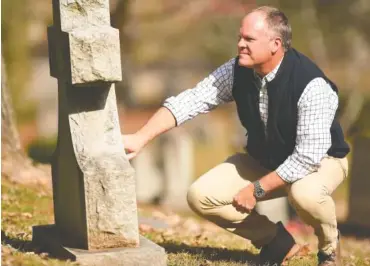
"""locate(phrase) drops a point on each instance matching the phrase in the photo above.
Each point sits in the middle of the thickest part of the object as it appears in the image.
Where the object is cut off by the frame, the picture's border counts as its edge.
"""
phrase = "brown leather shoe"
(332, 259)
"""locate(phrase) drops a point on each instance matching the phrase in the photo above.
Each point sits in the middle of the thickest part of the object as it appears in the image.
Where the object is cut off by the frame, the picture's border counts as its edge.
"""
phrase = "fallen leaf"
(44, 255)
(159, 215)
(206, 263)
(27, 215)
(304, 251)
(145, 228)
(10, 214)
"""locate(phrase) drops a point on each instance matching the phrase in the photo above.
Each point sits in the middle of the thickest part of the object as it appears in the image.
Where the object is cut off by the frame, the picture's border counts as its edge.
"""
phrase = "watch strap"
(259, 192)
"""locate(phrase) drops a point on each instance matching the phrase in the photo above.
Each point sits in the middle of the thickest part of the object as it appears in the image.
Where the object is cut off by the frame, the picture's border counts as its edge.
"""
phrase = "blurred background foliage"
(169, 45)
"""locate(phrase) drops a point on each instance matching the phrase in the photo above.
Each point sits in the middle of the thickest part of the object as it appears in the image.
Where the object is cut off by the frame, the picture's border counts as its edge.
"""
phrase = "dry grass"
(187, 240)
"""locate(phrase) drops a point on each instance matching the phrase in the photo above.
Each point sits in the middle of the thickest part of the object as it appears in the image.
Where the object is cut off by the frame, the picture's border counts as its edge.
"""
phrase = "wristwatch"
(259, 192)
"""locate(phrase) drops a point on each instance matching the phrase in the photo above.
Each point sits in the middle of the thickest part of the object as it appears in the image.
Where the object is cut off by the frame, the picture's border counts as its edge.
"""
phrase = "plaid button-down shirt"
(316, 110)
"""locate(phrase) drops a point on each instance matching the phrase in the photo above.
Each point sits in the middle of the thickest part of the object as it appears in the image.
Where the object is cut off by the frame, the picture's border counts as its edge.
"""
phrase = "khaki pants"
(211, 197)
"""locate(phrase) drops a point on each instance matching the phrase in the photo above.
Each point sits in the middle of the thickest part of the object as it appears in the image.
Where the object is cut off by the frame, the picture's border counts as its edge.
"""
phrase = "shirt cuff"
(292, 170)
(176, 112)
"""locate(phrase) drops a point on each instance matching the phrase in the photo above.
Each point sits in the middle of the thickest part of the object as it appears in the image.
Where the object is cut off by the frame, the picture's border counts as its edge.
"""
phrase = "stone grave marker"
(165, 170)
(96, 221)
(178, 168)
(275, 209)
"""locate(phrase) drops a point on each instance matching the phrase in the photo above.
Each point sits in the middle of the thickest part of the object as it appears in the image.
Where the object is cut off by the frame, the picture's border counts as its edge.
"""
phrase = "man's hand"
(245, 201)
(133, 143)
(162, 121)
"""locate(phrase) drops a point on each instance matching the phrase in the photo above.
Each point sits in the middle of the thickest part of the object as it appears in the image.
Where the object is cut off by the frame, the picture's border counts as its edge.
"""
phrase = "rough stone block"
(95, 55)
(111, 209)
(93, 182)
(76, 13)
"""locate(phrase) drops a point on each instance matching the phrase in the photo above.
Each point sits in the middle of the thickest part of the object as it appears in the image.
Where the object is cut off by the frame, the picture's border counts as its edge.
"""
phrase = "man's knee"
(195, 197)
(308, 198)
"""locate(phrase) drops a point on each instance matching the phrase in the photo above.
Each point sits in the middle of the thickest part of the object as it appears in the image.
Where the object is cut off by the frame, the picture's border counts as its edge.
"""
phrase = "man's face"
(254, 41)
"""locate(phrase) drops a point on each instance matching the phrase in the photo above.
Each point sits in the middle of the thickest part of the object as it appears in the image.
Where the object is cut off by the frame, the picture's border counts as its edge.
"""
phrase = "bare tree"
(316, 37)
(356, 42)
(15, 165)
(356, 100)
(15, 26)
(11, 146)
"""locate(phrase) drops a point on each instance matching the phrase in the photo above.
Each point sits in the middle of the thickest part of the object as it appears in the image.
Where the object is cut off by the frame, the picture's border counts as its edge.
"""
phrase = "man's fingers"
(131, 155)
(242, 208)
(236, 203)
(239, 207)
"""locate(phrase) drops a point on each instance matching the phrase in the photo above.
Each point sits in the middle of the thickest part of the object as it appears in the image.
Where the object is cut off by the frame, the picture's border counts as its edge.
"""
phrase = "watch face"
(258, 190)
(259, 193)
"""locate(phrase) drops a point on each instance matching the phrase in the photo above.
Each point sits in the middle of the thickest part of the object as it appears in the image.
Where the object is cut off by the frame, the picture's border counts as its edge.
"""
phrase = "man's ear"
(276, 44)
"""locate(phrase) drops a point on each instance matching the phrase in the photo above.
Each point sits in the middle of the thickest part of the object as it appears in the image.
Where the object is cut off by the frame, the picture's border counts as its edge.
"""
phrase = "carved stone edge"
(148, 253)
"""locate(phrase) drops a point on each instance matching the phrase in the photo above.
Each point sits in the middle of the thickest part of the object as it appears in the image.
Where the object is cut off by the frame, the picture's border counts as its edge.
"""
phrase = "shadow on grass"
(211, 253)
(19, 244)
(205, 252)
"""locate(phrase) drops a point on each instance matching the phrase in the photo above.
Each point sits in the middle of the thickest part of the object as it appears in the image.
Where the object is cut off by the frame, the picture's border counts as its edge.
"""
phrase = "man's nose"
(242, 44)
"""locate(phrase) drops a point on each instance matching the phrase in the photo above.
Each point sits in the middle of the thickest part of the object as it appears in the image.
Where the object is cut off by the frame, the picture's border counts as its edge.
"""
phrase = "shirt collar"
(270, 76)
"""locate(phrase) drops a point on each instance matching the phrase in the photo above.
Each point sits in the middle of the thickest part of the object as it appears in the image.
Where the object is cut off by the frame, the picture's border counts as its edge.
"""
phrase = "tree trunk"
(10, 143)
(316, 40)
(15, 49)
(15, 165)
(358, 61)
(358, 45)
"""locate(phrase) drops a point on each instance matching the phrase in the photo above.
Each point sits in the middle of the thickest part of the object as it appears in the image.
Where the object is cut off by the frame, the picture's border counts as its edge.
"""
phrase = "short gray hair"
(277, 22)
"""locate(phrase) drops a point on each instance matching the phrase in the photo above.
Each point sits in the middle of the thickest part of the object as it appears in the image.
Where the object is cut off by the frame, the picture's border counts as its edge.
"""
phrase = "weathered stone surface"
(85, 55)
(89, 164)
(95, 55)
(109, 180)
(72, 14)
(111, 203)
(147, 254)
(83, 47)
(93, 182)
(92, 169)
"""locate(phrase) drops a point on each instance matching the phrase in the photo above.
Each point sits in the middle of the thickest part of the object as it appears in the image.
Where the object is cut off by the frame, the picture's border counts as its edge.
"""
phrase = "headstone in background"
(149, 176)
(44, 92)
(96, 220)
(165, 170)
(179, 168)
(276, 209)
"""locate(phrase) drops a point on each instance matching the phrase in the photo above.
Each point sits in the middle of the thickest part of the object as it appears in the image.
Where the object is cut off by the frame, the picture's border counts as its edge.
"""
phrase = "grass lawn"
(187, 240)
